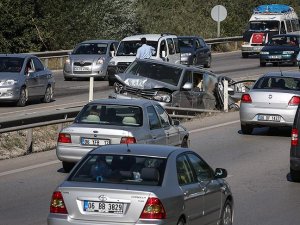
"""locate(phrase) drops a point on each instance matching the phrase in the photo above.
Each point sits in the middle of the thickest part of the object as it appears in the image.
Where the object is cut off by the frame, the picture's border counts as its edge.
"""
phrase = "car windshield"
(129, 48)
(90, 49)
(120, 169)
(160, 72)
(263, 26)
(119, 115)
(11, 64)
(284, 41)
(185, 43)
(279, 83)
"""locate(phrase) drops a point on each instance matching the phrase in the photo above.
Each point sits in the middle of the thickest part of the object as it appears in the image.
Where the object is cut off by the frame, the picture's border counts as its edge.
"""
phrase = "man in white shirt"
(145, 51)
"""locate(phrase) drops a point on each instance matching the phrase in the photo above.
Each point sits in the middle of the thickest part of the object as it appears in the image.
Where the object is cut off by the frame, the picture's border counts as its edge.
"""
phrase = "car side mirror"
(187, 86)
(176, 122)
(163, 54)
(220, 173)
(112, 53)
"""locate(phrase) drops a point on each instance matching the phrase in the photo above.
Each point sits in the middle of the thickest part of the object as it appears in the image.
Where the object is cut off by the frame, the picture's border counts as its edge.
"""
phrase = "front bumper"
(8, 94)
(87, 71)
(278, 58)
(251, 49)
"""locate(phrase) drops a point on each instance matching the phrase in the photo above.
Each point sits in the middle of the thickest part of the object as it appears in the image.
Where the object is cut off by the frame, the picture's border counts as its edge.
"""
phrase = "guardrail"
(55, 59)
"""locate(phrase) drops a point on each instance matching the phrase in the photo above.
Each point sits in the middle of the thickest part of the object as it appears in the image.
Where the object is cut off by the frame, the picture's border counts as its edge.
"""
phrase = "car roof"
(189, 37)
(282, 74)
(162, 151)
(98, 41)
(19, 55)
(120, 101)
(149, 37)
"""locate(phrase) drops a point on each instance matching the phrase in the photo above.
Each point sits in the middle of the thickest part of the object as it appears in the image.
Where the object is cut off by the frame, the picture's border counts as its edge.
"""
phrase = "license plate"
(275, 56)
(103, 207)
(269, 118)
(94, 141)
(79, 68)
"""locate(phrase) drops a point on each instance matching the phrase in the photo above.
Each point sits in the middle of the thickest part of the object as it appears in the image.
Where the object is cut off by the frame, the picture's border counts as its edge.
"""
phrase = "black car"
(194, 51)
(282, 48)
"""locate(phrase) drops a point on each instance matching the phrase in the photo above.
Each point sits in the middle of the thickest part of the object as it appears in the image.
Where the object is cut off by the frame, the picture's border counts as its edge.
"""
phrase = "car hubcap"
(227, 216)
(49, 94)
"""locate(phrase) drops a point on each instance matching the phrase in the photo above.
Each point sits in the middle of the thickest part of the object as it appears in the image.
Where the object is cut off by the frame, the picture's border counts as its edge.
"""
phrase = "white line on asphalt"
(57, 161)
(29, 168)
(214, 126)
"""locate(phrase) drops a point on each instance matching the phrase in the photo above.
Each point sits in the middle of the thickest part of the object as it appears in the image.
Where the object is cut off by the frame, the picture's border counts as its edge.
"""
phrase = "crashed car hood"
(85, 57)
(141, 82)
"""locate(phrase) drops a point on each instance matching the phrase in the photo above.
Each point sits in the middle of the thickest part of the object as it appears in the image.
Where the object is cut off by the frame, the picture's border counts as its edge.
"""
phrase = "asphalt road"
(257, 165)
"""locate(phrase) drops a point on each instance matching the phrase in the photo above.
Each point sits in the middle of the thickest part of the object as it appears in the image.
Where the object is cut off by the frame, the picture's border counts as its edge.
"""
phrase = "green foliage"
(43, 25)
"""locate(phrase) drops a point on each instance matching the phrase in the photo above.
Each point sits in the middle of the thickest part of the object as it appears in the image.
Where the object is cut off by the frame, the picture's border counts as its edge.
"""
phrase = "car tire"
(48, 95)
(245, 55)
(185, 142)
(67, 78)
(181, 222)
(246, 129)
(23, 98)
(227, 214)
(110, 83)
(68, 166)
(208, 64)
(262, 64)
(295, 175)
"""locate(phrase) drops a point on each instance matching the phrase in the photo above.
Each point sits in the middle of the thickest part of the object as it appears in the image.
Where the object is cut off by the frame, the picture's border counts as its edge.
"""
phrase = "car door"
(172, 132)
(172, 56)
(42, 76)
(212, 192)
(157, 133)
(191, 190)
(32, 82)
(204, 51)
(183, 98)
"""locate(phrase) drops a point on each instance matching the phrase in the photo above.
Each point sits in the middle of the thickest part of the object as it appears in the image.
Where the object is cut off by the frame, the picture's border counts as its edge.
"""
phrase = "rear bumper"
(71, 153)
(251, 49)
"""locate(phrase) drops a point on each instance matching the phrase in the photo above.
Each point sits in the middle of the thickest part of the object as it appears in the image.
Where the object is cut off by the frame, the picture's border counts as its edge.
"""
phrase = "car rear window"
(284, 41)
(120, 115)
(90, 49)
(11, 64)
(280, 83)
(120, 169)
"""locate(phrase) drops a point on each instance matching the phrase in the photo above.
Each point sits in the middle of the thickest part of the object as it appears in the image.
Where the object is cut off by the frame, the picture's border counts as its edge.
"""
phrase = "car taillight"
(64, 138)
(57, 203)
(294, 141)
(153, 210)
(295, 100)
(128, 140)
(246, 98)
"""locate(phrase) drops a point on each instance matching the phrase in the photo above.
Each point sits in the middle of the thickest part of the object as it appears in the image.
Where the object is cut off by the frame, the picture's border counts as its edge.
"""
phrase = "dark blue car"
(282, 48)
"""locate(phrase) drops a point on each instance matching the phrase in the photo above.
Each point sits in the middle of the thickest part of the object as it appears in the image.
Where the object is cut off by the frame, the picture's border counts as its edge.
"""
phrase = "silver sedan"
(115, 121)
(142, 184)
(272, 101)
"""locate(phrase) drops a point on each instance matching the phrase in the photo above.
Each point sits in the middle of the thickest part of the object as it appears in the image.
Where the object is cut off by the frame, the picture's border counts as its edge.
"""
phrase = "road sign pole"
(219, 25)
(91, 90)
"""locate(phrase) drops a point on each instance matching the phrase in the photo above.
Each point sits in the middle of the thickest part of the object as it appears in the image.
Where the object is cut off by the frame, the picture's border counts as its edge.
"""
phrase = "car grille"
(144, 93)
(122, 66)
(82, 63)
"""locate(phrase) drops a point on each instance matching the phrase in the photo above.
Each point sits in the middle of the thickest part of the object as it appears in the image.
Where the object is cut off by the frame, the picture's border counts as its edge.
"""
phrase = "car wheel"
(208, 64)
(185, 142)
(23, 98)
(110, 83)
(48, 95)
(68, 166)
(245, 55)
(295, 175)
(67, 78)
(181, 222)
(262, 64)
(227, 214)
(246, 129)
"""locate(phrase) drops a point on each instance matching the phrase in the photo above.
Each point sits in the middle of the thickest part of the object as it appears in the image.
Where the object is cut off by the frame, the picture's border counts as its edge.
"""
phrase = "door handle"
(204, 189)
(185, 193)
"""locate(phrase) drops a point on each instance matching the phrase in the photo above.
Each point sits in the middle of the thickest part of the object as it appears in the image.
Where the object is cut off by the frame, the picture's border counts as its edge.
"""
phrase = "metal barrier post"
(225, 95)
(91, 90)
(29, 135)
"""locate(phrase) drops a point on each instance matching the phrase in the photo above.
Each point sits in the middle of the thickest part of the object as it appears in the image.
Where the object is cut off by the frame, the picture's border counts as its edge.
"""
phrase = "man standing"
(145, 51)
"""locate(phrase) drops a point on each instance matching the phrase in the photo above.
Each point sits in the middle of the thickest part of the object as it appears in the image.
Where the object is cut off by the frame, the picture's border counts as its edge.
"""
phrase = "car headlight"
(162, 97)
(112, 63)
(8, 82)
(68, 61)
(245, 43)
(186, 54)
(100, 60)
(288, 52)
(264, 53)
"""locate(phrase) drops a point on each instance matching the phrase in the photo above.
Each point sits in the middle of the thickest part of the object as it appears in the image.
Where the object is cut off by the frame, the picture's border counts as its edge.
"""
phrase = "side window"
(153, 118)
(202, 42)
(201, 168)
(197, 44)
(29, 67)
(198, 82)
(38, 64)
(282, 28)
(187, 77)
(209, 82)
(170, 46)
(177, 49)
(185, 173)
(163, 116)
(288, 26)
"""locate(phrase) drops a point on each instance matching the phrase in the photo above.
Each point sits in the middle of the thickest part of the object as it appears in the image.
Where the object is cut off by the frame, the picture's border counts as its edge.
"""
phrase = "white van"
(266, 21)
(166, 49)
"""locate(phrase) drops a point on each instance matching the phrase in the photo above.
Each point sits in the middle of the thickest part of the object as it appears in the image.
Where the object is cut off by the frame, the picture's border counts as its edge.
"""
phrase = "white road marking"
(57, 161)
(29, 168)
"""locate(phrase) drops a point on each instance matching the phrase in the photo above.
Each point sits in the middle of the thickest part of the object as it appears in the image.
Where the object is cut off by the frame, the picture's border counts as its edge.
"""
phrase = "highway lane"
(258, 167)
(75, 93)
